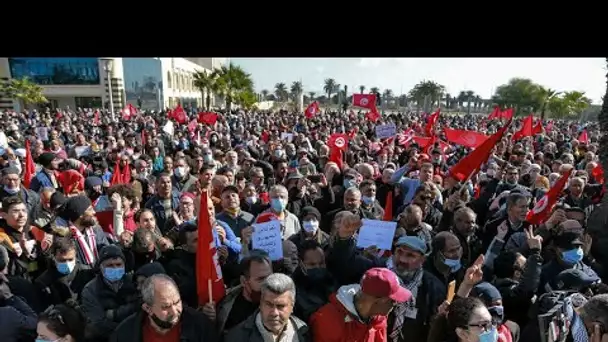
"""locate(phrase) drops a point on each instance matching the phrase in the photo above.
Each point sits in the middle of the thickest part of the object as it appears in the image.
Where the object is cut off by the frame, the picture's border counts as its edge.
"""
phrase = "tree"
(330, 87)
(361, 89)
(519, 93)
(387, 96)
(312, 95)
(374, 90)
(296, 90)
(577, 101)
(265, 93)
(230, 82)
(545, 95)
(427, 92)
(205, 84)
(246, 99)
(23, 90)
(280, 91)
(470, 96)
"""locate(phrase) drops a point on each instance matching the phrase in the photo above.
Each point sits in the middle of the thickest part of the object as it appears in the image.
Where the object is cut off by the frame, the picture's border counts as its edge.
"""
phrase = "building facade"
(149, 83)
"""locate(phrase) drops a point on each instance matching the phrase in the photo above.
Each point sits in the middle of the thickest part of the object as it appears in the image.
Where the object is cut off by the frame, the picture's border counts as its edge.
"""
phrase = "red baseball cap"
(381, 283)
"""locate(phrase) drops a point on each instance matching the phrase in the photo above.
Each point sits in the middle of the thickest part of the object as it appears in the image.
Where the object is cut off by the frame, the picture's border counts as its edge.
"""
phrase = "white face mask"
(180, 171)
(251, 199)
(310, 226)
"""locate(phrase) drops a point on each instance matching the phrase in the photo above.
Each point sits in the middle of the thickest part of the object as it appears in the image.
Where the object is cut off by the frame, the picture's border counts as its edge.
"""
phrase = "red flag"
(71, 180)
(406, 137)
(96, 118)
(179, 114)
(465, 138)
(372, 115)
(192, 125)
(336, 156)
(598, 174)
(364, 100)
(471, 163)
(128, 112)
(209, 280)
(126, 174)
(30, 167)
(207, 118)
(496, 113)
(507, 114)
(583, 138)
(388, 207)
(543, 208)
(538, 128)
(312, 110)
(339, 141)
(525, 130)
(429, 129)
(353, 133)
(116, 175)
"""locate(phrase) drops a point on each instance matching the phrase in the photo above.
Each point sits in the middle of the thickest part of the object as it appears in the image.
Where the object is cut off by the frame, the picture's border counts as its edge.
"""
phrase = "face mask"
(113, 274)
(316, 274)
(65, 267)
(453, 264)
(278, 205)
(489, 336)
(41, 340)
(348, 183)
(160, 323)
(368, 200)
(497, 312)
(251, 199)
(10, 191)
(179, 172)
(310, 226)
(278, 153)
(573, 256)
(207, 158)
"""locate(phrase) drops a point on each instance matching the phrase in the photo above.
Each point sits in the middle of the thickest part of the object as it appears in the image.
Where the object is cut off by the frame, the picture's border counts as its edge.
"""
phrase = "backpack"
(554, 312)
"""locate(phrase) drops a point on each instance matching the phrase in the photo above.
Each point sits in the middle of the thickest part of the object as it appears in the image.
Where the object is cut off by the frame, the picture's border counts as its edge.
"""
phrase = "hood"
(346, 297)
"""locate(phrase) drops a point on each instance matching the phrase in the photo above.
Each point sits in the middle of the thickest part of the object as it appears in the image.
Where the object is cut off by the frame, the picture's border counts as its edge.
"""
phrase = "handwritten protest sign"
(42, 133)
(386, 131)
(376, 233)
(267, 237)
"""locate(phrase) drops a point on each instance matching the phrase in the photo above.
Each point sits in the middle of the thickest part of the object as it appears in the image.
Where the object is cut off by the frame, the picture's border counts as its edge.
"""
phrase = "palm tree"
(387, 96)
(577, 101)
(231, 81)
(427, 92)
(374, 90)
(23, 90)
(448, 98)
(280, 91)
(205, 83)
(330, 87)
(545, 95)
(265, 93)
(296, 90)
(470, 97)
(361, 89)
(312, 96)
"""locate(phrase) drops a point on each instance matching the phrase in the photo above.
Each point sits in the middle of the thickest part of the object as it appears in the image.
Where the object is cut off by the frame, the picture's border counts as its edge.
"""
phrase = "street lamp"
(108, 65)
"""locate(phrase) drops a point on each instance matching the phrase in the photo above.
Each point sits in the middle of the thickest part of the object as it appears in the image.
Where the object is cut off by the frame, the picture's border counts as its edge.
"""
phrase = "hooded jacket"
(338, 321)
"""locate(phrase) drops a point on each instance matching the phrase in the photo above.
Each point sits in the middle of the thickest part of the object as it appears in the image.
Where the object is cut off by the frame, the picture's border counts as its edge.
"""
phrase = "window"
(169, 83)
(62, 71)
(87, 102)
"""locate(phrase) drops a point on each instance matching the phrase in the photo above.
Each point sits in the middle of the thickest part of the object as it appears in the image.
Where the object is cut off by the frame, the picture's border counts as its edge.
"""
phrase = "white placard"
(42, 133)
(376, 233)
(386, 131)
(287, 136)
(168, 128)
(267, 237)
(82, 151)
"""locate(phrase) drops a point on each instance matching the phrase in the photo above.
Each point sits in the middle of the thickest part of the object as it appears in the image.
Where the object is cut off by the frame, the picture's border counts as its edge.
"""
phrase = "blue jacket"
(41, 180)
(232, 242)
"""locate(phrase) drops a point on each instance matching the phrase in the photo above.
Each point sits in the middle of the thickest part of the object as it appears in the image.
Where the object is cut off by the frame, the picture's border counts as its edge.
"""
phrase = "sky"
(481, 75)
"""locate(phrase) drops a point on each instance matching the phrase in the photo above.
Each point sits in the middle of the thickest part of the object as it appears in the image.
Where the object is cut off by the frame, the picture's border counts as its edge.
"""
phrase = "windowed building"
(90, 82)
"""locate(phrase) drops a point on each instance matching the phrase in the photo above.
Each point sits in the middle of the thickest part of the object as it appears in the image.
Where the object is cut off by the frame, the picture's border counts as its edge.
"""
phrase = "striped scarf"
(87, 244)
(407, 309)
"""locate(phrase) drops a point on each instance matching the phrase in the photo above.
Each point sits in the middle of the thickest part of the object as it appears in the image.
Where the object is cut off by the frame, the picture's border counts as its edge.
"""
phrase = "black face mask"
(160, 323)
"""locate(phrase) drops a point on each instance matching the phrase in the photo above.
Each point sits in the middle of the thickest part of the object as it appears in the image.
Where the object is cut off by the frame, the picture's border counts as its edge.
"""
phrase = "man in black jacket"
(163, 317)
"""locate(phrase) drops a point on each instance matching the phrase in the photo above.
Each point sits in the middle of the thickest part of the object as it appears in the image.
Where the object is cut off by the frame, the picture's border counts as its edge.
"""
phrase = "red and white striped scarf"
(89, 249)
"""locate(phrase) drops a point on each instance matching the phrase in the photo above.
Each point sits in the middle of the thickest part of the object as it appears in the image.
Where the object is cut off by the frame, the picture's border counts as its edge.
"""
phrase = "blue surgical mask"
(453, 264)
(349, 183)
(489, 336)
(65, 267)
(278, 153)
(278, 205)
(207, 158)
(573, 256)
(368, 200)
(10, 191)
(41, 340)
(113, 274)
(310, 226)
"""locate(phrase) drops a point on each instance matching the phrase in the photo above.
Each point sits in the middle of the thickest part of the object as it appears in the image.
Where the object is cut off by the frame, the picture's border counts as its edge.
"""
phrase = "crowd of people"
(99, 228)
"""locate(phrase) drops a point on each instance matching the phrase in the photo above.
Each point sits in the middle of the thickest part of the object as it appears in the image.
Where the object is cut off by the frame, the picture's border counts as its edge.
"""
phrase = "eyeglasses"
(485, 326)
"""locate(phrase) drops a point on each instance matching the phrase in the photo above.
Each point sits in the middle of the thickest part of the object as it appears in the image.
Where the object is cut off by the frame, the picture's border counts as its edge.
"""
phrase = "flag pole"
(209, 284)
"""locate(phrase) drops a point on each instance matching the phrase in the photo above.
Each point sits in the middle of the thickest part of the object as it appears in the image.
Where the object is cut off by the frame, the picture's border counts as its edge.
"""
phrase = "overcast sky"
(481, 75)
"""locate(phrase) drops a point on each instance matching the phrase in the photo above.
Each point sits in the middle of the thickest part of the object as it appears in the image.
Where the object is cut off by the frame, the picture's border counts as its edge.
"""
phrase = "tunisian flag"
(429, 129)
(465, 138)
(178, 114)
(471, 163)
(209, 280)
(116, 175)
(543, 208)
(207, 118)
(364, 100)
(525, 130)
(583, 138)
(30, 167)
(312, 110)
(538, 128)
(338, 143)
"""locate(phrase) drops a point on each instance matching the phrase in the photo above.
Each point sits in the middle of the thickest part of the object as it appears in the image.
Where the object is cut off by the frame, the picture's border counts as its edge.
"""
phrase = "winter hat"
(75, 207)
(46, 158)
(310, 211)
(91, 182)
(110, 252)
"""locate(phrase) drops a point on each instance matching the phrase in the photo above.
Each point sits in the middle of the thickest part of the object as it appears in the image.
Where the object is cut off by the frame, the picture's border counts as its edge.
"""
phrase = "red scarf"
(88, 249)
